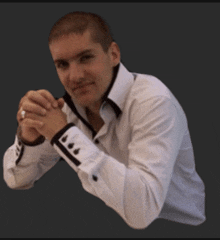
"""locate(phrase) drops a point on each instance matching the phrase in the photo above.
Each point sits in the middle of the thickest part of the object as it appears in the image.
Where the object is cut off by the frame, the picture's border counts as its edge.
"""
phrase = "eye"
(86, 58)
(62, 65)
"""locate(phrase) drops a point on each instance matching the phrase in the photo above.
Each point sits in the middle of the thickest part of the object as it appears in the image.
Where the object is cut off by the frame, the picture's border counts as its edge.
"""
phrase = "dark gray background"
(176, 42)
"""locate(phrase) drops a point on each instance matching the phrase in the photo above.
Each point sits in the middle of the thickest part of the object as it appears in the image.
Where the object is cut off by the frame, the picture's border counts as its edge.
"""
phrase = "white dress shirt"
(140, 163)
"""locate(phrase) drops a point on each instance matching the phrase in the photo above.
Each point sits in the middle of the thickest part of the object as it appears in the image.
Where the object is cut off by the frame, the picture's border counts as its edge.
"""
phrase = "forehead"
(73, 44)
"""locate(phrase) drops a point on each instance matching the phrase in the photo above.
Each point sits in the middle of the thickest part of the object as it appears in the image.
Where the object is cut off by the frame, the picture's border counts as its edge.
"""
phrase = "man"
(123, 133)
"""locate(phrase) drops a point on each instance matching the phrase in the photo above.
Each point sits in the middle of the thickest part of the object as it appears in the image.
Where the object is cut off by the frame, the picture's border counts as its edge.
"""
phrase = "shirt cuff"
(19, 146)
(76, 148)
(60, 133)
(29, 153)
(37, 142)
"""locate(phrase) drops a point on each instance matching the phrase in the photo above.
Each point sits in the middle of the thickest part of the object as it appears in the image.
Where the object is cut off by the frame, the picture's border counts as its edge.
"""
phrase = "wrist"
(61, 132)
(36, 142)
(29, 141)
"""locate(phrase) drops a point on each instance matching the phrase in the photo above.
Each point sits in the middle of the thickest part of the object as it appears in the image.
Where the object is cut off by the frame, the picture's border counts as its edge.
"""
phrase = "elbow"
(140, 221)
(141, 212)
(24, 187)
(143, 199)
(11, 183)
(137, 226)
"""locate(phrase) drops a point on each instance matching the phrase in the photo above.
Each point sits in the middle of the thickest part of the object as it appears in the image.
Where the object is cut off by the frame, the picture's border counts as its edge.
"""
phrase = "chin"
(84, 101)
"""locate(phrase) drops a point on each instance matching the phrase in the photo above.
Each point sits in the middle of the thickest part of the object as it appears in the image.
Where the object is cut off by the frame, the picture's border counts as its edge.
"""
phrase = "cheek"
(102, 79)
(102, 71)
(63, 79)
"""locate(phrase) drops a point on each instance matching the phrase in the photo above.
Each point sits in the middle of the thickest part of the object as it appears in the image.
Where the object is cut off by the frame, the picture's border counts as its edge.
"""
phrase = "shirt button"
(96, 141)
(95, 178)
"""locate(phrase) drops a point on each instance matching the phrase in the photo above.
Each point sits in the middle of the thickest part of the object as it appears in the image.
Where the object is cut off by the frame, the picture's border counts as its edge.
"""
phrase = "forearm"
(26, 162)
(135, 196)
(23, 165)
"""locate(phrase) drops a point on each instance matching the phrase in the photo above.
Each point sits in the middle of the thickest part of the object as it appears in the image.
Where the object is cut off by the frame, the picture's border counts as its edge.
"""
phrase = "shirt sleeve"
(136, 192)
(23, 164)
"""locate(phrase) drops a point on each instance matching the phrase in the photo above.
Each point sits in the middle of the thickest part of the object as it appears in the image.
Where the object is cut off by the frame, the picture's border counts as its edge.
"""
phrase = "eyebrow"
(77, 55)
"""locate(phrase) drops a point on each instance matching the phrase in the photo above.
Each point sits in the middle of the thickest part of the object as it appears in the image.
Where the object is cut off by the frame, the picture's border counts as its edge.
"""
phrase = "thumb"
(60, 102)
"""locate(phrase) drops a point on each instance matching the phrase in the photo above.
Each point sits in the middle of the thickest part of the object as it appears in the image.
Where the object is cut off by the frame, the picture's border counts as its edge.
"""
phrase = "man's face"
(84, 69)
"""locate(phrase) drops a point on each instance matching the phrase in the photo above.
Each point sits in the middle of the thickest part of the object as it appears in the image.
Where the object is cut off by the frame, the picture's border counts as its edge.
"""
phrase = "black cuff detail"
(60, 133)
(20, 156)
(38, 141)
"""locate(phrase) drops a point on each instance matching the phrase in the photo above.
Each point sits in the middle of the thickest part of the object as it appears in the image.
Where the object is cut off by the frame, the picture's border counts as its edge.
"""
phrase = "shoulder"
(149, 94)
(148, 86)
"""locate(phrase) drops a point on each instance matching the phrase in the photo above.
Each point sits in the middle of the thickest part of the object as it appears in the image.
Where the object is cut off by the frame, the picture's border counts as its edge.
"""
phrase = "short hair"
(79, 22)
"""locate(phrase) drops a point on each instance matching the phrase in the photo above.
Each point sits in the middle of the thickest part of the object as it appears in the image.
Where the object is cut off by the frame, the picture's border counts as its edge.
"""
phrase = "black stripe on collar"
(70, 103)
(115, 107)
(105, 98)
(115, 72)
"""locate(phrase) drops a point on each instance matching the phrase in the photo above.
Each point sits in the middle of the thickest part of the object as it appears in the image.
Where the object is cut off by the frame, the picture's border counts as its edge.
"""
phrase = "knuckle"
(25, 122)
(21, 102)
(24, 104)
(29, 93)
(18, 113)
(18, 118)
(46, 93)
(37, 109)
(42, 91)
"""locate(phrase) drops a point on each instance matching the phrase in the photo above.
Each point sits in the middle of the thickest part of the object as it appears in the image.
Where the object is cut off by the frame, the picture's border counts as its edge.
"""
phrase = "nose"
(76, 73)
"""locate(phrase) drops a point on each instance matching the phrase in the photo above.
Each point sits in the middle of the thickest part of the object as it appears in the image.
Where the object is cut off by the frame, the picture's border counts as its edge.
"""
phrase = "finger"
(36, 97)
(46, 94)
(18, 116)
(33, 108)
(21, 102)
(60, 102)
(31, 123)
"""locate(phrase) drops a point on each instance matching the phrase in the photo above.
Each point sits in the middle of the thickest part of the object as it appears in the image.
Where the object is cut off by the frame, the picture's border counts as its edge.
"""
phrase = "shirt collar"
(115, 95)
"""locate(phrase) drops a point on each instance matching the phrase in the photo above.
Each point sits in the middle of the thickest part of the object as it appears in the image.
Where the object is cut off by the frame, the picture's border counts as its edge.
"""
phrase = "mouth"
(81, 87)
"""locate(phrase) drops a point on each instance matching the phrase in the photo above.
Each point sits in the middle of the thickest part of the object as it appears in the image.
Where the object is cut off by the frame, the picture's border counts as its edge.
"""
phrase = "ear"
(115, 53)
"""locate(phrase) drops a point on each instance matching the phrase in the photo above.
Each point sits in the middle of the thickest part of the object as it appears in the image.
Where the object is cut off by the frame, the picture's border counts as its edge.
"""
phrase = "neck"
(94, 109)
(94, 118)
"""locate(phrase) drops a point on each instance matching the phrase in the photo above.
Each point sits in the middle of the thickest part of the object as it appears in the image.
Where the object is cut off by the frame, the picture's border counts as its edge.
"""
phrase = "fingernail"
(55, 104)
(44, 112)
